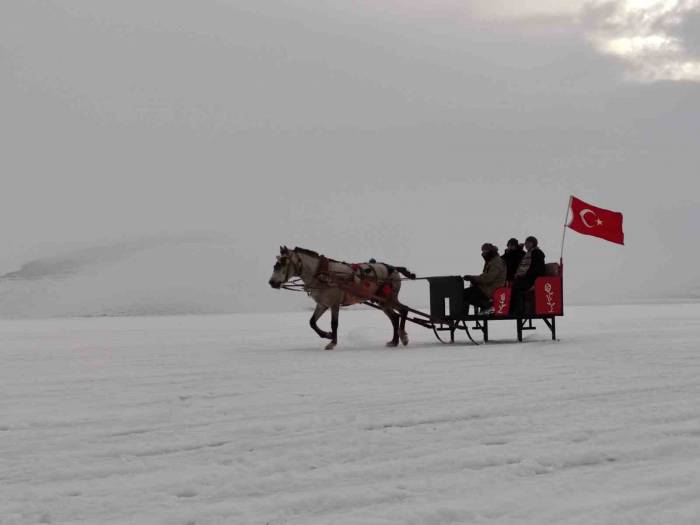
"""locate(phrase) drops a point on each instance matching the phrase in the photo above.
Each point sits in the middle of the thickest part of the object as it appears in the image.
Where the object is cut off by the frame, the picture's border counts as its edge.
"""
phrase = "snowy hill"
(244, 419)
(150, 276)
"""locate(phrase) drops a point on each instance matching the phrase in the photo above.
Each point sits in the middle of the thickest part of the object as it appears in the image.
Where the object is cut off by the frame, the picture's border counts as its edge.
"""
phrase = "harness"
(323, 268)
(355, 284)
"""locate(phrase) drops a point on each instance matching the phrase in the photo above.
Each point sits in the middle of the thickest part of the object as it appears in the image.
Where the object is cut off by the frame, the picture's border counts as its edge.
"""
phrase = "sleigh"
(449, 314)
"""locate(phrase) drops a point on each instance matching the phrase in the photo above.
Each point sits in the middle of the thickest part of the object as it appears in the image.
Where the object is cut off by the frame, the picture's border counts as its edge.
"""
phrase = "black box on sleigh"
(447, 297)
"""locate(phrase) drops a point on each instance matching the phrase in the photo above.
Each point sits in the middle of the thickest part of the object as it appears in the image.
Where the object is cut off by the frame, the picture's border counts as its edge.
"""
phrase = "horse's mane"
(312, 253)
(306, 251)
(401, 269)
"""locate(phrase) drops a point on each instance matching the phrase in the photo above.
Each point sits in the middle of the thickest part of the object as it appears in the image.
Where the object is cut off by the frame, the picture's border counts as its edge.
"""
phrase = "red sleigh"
(448, 313)
(545, 300)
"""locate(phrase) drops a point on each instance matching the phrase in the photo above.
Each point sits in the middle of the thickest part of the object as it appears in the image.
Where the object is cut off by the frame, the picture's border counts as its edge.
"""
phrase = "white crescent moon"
(583, 217)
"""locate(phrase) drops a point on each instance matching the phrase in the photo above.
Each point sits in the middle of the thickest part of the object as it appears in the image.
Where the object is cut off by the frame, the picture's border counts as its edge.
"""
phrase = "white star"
(599, 222)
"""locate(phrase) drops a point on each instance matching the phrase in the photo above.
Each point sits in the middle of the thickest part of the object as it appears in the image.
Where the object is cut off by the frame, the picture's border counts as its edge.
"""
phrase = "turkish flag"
(598, 222)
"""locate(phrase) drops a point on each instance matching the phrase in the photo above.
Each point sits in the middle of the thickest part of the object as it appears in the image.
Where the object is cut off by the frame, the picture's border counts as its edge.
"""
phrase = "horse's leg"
(395, 323)
(335, 310)
(403, 314)
(402, 326)
(318, 312)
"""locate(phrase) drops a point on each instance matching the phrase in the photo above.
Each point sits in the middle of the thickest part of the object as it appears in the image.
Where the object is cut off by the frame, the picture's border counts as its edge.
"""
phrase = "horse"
(332, 284)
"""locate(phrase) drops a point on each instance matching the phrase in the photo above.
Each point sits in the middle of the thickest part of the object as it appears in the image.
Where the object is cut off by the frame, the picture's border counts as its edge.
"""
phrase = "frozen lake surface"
(244, 419)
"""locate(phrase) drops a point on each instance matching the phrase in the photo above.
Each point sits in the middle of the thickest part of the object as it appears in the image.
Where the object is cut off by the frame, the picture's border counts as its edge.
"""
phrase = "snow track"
(244, 419)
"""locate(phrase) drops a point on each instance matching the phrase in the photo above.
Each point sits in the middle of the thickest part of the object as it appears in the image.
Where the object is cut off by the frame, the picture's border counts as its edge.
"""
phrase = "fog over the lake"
(156, 154)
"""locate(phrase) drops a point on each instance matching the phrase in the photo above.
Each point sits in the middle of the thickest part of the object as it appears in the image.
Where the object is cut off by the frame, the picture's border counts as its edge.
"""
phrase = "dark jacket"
(512, 259)
(531, 266)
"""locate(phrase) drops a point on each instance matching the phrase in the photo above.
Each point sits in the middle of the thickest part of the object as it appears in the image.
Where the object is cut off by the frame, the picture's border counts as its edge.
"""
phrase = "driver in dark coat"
(493, 277)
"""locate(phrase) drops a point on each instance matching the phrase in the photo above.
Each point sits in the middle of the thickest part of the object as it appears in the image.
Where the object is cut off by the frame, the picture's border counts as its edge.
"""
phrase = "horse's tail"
(405, 272)
(400, 269)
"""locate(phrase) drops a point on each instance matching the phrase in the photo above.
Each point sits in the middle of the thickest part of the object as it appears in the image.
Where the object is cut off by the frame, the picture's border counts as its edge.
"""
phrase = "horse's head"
(284, 269)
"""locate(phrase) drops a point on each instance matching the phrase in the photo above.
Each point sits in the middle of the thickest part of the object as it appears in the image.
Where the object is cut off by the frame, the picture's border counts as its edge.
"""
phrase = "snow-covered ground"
(244, 419)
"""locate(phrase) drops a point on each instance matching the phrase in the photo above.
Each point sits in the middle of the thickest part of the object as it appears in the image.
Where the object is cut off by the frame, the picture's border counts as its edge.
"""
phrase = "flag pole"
(561, 256)
(563, 235)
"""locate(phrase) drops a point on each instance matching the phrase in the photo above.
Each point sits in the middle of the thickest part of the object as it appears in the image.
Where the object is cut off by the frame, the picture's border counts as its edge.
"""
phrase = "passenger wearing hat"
(512, 256)
(530, 268)
(493, 277)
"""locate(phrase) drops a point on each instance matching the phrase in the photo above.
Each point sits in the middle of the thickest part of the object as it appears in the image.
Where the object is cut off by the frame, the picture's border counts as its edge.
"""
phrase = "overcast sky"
(410, 131)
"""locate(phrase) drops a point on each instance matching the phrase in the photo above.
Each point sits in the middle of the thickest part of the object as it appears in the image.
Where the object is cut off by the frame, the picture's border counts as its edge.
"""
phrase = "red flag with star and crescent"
(598, 222)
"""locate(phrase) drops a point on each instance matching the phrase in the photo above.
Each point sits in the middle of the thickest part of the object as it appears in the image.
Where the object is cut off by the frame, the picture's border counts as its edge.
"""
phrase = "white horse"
(333, 284)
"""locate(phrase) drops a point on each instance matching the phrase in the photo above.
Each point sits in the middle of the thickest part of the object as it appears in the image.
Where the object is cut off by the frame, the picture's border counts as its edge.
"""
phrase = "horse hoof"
(330, 346)
(392, 344)
(404, 339)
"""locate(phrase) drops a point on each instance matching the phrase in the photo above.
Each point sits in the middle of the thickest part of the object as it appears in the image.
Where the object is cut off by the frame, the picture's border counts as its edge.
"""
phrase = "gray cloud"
(655, 40)
(688, 30)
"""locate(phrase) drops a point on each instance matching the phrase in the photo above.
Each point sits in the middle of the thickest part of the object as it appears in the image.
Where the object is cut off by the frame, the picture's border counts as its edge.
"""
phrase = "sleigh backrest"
(551, 270)
(549, 292)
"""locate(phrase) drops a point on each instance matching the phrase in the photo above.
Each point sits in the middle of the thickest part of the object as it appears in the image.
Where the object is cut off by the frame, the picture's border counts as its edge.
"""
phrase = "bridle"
(294, 267)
